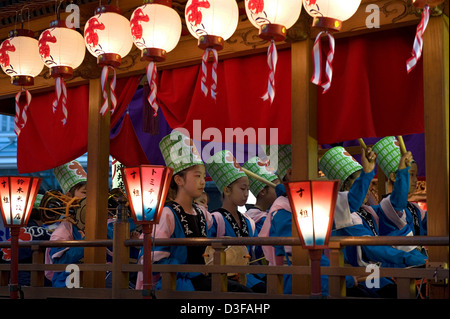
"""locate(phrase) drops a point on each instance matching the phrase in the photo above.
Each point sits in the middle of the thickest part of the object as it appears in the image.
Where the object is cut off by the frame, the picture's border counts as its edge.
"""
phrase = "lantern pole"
(316, 290)
(14, 270)
(147, 287)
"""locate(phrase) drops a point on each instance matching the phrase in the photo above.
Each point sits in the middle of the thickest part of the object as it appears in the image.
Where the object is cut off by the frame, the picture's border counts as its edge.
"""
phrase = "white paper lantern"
(19, 57)
(273, 17)
(212, 21)
(156, 30)
(329, 14)
(107, 35)
(61, 49)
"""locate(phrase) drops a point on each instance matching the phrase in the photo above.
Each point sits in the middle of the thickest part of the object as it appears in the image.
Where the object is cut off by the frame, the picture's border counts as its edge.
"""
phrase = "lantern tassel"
(61, 98)
(151, 78)
(418, 40)
(17, 118)
(204, 78)
(317, 62)
(272, 59)
(112, 95)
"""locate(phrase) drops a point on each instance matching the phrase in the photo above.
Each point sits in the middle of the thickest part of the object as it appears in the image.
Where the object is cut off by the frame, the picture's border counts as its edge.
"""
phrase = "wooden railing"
(437, 273)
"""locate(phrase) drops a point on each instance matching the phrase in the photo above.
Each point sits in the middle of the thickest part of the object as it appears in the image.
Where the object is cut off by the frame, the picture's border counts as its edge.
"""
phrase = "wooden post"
(435, 79)
(304, 141)
(121, 253)
(97, 184)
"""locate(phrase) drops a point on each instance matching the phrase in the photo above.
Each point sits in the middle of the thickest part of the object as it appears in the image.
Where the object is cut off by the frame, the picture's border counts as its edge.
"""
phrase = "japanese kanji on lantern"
(107, 36)
(328, 17)
(19, 58)
(146, 188)
(156, 30)
(212, 22)
(272, 18)
(17, 194)
(62, 50)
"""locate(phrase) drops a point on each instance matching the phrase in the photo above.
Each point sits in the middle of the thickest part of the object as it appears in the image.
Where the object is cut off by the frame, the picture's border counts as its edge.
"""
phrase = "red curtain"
(45, 143)
(241, 84)
(371, 94)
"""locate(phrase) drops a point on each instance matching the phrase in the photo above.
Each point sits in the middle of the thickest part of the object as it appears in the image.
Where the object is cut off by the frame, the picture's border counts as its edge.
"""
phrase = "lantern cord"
(61, 98)
(151, 78)
(112, 95)
(18, 118)
(204, 78)
(272, 59)
(317, 62)
(418, 40)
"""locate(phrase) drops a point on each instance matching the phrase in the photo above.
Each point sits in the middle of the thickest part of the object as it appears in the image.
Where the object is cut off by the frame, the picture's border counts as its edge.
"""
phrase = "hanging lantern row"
(156, 30)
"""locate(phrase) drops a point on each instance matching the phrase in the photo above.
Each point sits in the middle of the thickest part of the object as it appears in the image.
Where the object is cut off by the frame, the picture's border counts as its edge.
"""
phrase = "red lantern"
(313, 204)
(17, 196)
(146, 187)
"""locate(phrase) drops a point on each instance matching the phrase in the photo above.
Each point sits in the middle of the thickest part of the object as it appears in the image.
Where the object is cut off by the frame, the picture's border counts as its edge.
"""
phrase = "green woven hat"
(388, 154)
(70, 174)
(261, 168)
(337, 163)
(179, 151)
(37, 201)
(280, 157)
(223, 169)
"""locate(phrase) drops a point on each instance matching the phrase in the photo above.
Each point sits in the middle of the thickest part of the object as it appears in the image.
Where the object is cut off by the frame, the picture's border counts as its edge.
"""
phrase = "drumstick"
(361, 142)
(259, 178)
(402, 144)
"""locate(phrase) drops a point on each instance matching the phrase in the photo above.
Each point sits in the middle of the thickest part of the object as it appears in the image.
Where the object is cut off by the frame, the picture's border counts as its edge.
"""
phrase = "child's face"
(412, 178)
(202, 200)
(238, 191)
(194, 181)
(80, 192)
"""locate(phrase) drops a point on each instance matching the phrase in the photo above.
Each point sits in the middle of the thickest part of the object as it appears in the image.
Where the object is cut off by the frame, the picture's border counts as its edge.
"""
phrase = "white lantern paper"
(211, 22)
(156, 30)
(61, 49)
(107, 36)
(264, 14)
(209, 19)
(19, 57)
(331, 13)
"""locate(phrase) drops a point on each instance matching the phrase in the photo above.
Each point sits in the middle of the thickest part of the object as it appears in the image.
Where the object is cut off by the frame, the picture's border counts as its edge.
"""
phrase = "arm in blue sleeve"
(399, 195)
(71, 256)
(358, 191)
(281, 226)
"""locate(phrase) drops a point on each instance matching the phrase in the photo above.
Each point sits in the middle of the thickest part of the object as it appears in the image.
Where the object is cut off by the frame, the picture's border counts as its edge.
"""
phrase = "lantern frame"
(166, 177)
(297, 208)
(6, 199)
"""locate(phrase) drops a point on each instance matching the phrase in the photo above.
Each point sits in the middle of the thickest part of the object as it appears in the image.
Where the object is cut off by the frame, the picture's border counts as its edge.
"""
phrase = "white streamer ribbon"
(204, 78)
(151, 78)
(418, 40)
(272, 59)
(17, 118)
(317, 62)
(112, 95)
(61, 98)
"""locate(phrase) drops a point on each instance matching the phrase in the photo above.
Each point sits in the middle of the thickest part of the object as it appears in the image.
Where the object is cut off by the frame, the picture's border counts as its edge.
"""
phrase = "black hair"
(76, 187)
